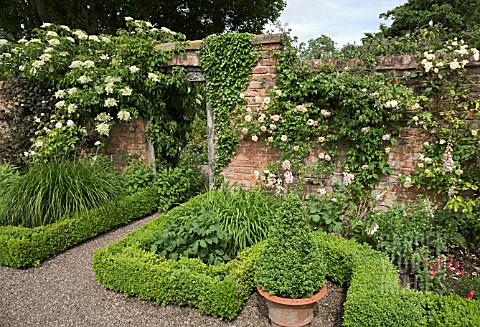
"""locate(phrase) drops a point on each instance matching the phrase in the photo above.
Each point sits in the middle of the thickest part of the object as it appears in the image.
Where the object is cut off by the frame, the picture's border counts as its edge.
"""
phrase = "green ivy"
(227, 61)
(321, 112)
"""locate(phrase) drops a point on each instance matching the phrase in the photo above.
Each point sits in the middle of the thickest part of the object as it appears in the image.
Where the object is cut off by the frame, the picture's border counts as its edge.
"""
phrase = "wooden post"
(211, 144)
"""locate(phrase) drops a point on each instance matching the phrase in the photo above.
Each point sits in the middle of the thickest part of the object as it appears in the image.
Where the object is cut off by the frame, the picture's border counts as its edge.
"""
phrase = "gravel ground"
(63, 292)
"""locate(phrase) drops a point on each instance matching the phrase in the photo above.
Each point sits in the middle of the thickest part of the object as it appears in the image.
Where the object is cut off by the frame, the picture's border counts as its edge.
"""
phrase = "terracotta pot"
(291, 312)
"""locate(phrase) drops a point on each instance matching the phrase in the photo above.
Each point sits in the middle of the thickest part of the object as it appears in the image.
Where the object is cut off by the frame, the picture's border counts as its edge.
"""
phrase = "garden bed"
(374, 298)
(22, 247)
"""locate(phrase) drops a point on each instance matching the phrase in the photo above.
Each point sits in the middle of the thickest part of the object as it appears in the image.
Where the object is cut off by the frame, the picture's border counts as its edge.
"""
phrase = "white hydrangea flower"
(88, 64)
(76, 64)
(105, 39)
(103, 117)
(94, 38)
(134, 69)
(49, 49)
(110, 102)
(52, 34)
(59, 94)
(103, 129)
(60, 104)
(45, 25)
(153, 77)
(84, 79)
(38, 64)
(3, 42)
(65, 27)
(128, 18)
(124, 115)
(54, 42)
(126, 91)
(46, 57)
(72, 91)
(109, 88)
(72, 108)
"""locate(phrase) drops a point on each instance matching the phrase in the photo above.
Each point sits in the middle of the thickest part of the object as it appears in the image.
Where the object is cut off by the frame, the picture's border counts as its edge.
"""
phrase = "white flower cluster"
(110, 102)
(124, 115)
(82, 64)
(348, 178)
(391, 104)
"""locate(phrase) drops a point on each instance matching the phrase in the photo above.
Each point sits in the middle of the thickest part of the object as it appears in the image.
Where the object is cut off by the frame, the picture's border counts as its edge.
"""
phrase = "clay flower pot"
(291, 312)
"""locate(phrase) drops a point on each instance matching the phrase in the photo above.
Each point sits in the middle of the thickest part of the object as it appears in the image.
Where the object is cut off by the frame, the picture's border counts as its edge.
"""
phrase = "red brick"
(260, 70)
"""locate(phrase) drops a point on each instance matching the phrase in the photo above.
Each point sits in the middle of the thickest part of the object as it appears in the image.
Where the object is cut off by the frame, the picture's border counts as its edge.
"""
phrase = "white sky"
(345, 21)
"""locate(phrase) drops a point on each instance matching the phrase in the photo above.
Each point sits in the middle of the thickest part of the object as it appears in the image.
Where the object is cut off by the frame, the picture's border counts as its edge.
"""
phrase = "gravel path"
(63, 292)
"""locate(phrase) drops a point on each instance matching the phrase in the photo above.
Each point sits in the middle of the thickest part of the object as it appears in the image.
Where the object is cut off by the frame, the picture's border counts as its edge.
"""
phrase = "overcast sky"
(345, 21)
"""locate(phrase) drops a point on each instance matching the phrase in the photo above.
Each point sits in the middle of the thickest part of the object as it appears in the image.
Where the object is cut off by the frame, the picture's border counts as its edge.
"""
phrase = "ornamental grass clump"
(50, 191)
(290, 264)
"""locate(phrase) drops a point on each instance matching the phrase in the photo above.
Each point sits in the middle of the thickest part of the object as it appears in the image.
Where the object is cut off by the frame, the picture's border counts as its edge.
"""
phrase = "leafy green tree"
(456, 15)
(194, 18)
(321, 47)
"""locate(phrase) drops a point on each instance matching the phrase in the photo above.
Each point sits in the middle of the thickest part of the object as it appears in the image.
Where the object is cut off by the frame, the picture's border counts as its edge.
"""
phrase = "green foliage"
(127, 266)
(327, 212)
(217, 226)
(409, 234)
(316, 113)
(97, 81)
(375, 297)
(48, 192)
(176, 185)
(196, 20)
(290, 265)
(227, 61)
(22, 247)
(456, 15)
(137, 174)
(319, 48)
(200, 237)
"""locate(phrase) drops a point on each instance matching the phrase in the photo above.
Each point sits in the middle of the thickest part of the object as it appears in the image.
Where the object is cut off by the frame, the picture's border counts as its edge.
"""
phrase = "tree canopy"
(456, 15)
(321, 47)
(194, 18)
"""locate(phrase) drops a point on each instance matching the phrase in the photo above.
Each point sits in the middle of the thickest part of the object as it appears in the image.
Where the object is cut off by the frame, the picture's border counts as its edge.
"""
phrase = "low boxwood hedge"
(22, 247)
(374, 297)
(128, 266)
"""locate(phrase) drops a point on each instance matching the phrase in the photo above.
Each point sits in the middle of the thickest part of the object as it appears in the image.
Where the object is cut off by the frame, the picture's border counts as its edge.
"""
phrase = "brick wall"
(403, 158)
(127, 138)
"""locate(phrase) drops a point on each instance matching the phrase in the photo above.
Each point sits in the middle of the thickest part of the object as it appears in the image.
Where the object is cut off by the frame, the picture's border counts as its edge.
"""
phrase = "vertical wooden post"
(211, 143)
(150, 150)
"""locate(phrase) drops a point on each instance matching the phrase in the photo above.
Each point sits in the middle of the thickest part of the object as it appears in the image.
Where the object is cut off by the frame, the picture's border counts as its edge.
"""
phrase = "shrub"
(374, 298)
(49, 191)
(217, 226)
(408, 234)
(137, 174)
(290, 264)
(176, 185)
(126, 266)
(22, 247)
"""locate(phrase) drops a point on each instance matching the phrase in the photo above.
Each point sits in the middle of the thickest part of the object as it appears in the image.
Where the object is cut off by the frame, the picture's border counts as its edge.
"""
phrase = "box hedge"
(22, 247)
(128, 266)
(374, 297)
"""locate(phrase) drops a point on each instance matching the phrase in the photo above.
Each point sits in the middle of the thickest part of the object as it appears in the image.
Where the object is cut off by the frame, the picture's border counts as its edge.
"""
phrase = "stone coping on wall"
(198, 44)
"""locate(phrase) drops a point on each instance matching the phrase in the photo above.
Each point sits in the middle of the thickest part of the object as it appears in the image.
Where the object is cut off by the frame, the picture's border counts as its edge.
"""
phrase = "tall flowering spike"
(448, 162)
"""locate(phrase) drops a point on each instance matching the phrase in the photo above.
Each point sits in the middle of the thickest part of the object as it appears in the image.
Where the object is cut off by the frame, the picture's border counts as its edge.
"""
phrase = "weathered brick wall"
(127, 138)
(403, 157)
